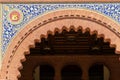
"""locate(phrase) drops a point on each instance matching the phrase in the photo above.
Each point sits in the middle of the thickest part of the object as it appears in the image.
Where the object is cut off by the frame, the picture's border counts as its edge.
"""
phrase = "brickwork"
(49, 23)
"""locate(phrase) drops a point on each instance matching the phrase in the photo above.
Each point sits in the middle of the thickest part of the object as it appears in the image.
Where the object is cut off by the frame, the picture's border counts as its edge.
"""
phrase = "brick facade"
(26, 38)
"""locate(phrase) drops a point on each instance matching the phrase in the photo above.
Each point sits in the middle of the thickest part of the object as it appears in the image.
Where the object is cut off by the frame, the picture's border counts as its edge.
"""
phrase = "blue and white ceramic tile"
(31, 11)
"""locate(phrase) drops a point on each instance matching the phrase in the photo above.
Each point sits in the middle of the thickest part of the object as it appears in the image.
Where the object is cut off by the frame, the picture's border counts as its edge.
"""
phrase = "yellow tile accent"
(6, 8)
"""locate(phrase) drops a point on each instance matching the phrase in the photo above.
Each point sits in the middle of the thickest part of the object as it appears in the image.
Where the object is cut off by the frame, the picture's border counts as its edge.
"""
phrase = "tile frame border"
(1, 35)
(54, 1)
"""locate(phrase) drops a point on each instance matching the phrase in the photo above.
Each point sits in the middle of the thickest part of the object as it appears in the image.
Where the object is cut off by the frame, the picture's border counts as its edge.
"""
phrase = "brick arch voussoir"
(49, 24)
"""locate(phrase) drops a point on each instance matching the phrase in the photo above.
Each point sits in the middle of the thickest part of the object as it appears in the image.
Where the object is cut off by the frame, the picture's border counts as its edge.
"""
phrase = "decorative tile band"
(0, 34)
(16, 16)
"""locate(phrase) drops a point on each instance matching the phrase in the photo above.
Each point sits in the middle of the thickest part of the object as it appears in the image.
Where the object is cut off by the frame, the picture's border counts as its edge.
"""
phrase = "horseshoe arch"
(26, 38)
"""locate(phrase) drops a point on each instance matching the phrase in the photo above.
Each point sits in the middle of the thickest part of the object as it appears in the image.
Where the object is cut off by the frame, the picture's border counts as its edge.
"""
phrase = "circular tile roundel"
(15, 16)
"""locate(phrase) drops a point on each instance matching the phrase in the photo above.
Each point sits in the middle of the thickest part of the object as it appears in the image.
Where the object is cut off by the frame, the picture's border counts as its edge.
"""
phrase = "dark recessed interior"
(46, 72)
(72, 43)
(96, 72)
(71, 72)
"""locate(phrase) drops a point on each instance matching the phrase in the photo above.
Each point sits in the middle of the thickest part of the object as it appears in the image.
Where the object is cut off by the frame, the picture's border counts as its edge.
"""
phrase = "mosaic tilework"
(31, 11)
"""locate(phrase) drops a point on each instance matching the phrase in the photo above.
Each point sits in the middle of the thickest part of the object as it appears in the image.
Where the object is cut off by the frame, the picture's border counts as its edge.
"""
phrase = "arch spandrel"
(20, 45)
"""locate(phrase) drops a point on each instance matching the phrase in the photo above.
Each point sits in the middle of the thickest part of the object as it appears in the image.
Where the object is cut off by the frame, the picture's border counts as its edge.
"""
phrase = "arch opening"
(44, 72)
(72, 46)
(99, 72)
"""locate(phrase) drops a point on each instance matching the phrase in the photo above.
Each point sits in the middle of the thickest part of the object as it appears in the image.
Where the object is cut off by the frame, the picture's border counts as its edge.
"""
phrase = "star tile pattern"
(31, 11)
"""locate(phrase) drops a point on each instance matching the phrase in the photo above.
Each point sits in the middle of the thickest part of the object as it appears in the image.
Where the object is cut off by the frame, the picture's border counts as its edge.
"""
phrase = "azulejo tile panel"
(16, 16)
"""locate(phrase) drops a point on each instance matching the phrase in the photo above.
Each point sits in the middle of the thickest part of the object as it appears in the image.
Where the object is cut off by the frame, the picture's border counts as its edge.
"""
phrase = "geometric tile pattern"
(31, 11)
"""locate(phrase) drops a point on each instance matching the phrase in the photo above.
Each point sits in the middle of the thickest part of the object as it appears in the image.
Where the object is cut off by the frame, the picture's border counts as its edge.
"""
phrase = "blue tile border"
(31, 11)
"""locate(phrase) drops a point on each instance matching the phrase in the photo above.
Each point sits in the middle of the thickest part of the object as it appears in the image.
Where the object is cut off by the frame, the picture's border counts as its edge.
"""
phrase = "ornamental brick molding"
(49, 23)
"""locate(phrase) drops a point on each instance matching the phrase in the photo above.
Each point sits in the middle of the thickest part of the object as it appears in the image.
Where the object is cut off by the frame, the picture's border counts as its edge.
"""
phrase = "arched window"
(71, 72)
(99, 72)
(44, 72)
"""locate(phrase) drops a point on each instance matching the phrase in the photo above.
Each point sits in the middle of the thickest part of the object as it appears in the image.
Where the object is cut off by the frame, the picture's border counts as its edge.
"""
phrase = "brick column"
(85, 70)
(85, 74)
(57, 72)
